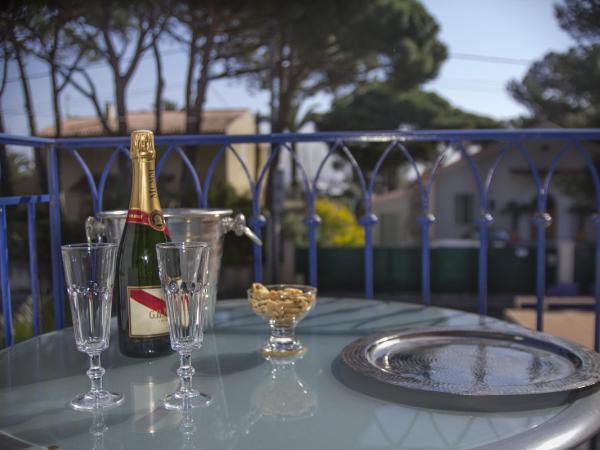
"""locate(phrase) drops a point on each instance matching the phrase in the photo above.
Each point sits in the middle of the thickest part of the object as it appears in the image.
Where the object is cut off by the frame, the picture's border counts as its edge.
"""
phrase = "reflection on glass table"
(98, 429)
(188, 429)
(282, 395)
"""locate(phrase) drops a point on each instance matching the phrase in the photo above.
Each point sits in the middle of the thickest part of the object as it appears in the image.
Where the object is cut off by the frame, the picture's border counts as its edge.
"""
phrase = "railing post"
(257, 222)
(5, 284)
(312, 221)
(597, 285)
(483, 222)
(426, 221)
(33, 267)
(541, 221)
(367, 221)
(55, 238)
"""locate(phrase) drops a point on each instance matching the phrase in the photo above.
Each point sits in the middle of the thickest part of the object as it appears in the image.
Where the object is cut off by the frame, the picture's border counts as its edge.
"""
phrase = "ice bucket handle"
(238, 225)
(95, 230)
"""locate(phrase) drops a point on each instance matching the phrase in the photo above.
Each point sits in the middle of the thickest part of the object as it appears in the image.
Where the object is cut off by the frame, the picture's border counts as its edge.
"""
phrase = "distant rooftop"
(214, 121)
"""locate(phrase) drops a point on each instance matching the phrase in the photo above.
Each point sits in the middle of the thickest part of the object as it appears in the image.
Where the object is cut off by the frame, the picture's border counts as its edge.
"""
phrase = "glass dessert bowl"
(282, 306)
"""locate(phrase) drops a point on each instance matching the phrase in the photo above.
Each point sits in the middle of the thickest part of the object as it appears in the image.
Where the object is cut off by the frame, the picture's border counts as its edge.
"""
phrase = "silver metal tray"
(476, 363)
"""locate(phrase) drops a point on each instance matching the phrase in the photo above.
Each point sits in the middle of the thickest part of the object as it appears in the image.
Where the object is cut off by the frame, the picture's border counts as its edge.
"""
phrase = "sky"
(490, 42)
(519, 30)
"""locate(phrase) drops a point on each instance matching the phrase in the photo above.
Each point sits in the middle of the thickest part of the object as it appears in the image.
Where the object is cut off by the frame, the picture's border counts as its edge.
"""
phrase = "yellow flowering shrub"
(339, 227)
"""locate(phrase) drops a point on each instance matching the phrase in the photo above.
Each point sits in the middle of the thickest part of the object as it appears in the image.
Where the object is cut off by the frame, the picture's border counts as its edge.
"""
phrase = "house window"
(464, 209)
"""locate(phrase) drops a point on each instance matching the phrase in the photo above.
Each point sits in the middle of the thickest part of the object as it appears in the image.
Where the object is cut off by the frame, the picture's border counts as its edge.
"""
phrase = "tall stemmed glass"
(183, 270)
(89, 274)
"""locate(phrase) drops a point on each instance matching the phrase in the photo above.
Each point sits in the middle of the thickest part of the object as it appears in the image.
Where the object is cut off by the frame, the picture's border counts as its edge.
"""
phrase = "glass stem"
(185, 372)
(282, 332)
(95, 373)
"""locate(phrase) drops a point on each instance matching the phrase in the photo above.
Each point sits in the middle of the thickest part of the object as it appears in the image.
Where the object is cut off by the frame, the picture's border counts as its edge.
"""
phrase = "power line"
(465, 84)
(490, 59)
(460, 56)
(220, 97)
(472, 89)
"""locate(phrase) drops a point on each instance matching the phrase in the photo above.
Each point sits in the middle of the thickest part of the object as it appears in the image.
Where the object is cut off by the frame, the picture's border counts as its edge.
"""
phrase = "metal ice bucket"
(206, 225)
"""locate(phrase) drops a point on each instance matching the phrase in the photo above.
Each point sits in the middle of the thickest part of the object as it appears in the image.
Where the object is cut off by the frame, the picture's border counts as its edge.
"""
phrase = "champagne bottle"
(142, 312)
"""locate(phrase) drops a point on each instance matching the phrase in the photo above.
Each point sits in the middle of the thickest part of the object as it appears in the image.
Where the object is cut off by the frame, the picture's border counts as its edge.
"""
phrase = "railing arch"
(188, 165)
(213, 165)
(88, 177)
(120, 150)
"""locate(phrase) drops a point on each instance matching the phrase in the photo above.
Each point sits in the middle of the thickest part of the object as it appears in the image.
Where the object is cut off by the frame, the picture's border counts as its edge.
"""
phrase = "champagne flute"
(183, 271)
(89, 274)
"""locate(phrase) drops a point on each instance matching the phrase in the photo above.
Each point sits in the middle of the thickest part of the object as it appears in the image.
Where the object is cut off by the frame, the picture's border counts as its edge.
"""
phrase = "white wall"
(506, 186)
(512, 181)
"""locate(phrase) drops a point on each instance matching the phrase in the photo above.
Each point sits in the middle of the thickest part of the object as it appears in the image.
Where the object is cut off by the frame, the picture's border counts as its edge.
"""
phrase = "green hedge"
(453, 270)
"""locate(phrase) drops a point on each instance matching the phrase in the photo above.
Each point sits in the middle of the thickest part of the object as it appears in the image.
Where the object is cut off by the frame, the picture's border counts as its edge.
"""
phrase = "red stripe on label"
(138, 216)
(143, 218)
(149, 300)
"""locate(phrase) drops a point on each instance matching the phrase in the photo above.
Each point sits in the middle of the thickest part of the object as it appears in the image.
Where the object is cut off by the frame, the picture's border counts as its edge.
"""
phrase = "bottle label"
(147, 311)
(154, 220)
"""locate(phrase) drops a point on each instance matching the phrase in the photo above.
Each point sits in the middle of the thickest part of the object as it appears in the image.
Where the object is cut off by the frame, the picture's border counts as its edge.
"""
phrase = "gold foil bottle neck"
(142, 144)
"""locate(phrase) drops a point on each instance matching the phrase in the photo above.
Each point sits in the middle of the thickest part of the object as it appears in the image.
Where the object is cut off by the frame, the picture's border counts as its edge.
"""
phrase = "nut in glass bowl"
(282, 306)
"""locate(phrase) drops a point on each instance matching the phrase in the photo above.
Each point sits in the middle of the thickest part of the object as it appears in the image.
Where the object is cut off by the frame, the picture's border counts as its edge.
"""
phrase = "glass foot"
(191, 399)
(280, 349)
(99, 400)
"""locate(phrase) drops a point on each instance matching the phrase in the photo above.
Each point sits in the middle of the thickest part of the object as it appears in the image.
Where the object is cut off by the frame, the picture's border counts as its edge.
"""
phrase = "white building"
(454, 199)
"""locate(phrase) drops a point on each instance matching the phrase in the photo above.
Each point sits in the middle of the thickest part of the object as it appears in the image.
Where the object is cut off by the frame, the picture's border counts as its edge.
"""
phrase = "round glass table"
(258, 404)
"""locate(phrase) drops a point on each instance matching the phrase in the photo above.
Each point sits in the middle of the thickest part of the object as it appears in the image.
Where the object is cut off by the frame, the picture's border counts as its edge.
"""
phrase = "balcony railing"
(573, 140)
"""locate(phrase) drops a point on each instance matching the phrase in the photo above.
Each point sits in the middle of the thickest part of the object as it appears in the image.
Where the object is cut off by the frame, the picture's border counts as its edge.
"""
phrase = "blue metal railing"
(31, 202)
(571, 140)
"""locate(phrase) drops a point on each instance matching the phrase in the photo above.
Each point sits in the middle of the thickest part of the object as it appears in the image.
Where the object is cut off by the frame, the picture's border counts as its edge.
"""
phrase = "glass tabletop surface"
(257, 404)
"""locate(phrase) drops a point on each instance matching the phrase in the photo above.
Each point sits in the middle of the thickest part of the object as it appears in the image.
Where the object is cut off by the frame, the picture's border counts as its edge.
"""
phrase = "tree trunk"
(200, 97)
(90, 94)
(189, 119)
(55, 101)
(120, 87)
(120, 92)
(202, 84)
(58, 25)
(160, 84)
(40, 163)
(6, 188)
(194, 114)
(294, 166)
(26, 91)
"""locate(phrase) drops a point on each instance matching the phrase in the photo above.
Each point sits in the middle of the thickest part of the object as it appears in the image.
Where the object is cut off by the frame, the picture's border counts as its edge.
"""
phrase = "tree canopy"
(564, 88)
(381, 106)
(581, 19)
(323, 45)
(291, 49)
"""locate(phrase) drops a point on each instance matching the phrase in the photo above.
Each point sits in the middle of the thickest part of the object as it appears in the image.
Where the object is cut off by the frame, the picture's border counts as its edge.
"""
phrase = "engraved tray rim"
(355, 356)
